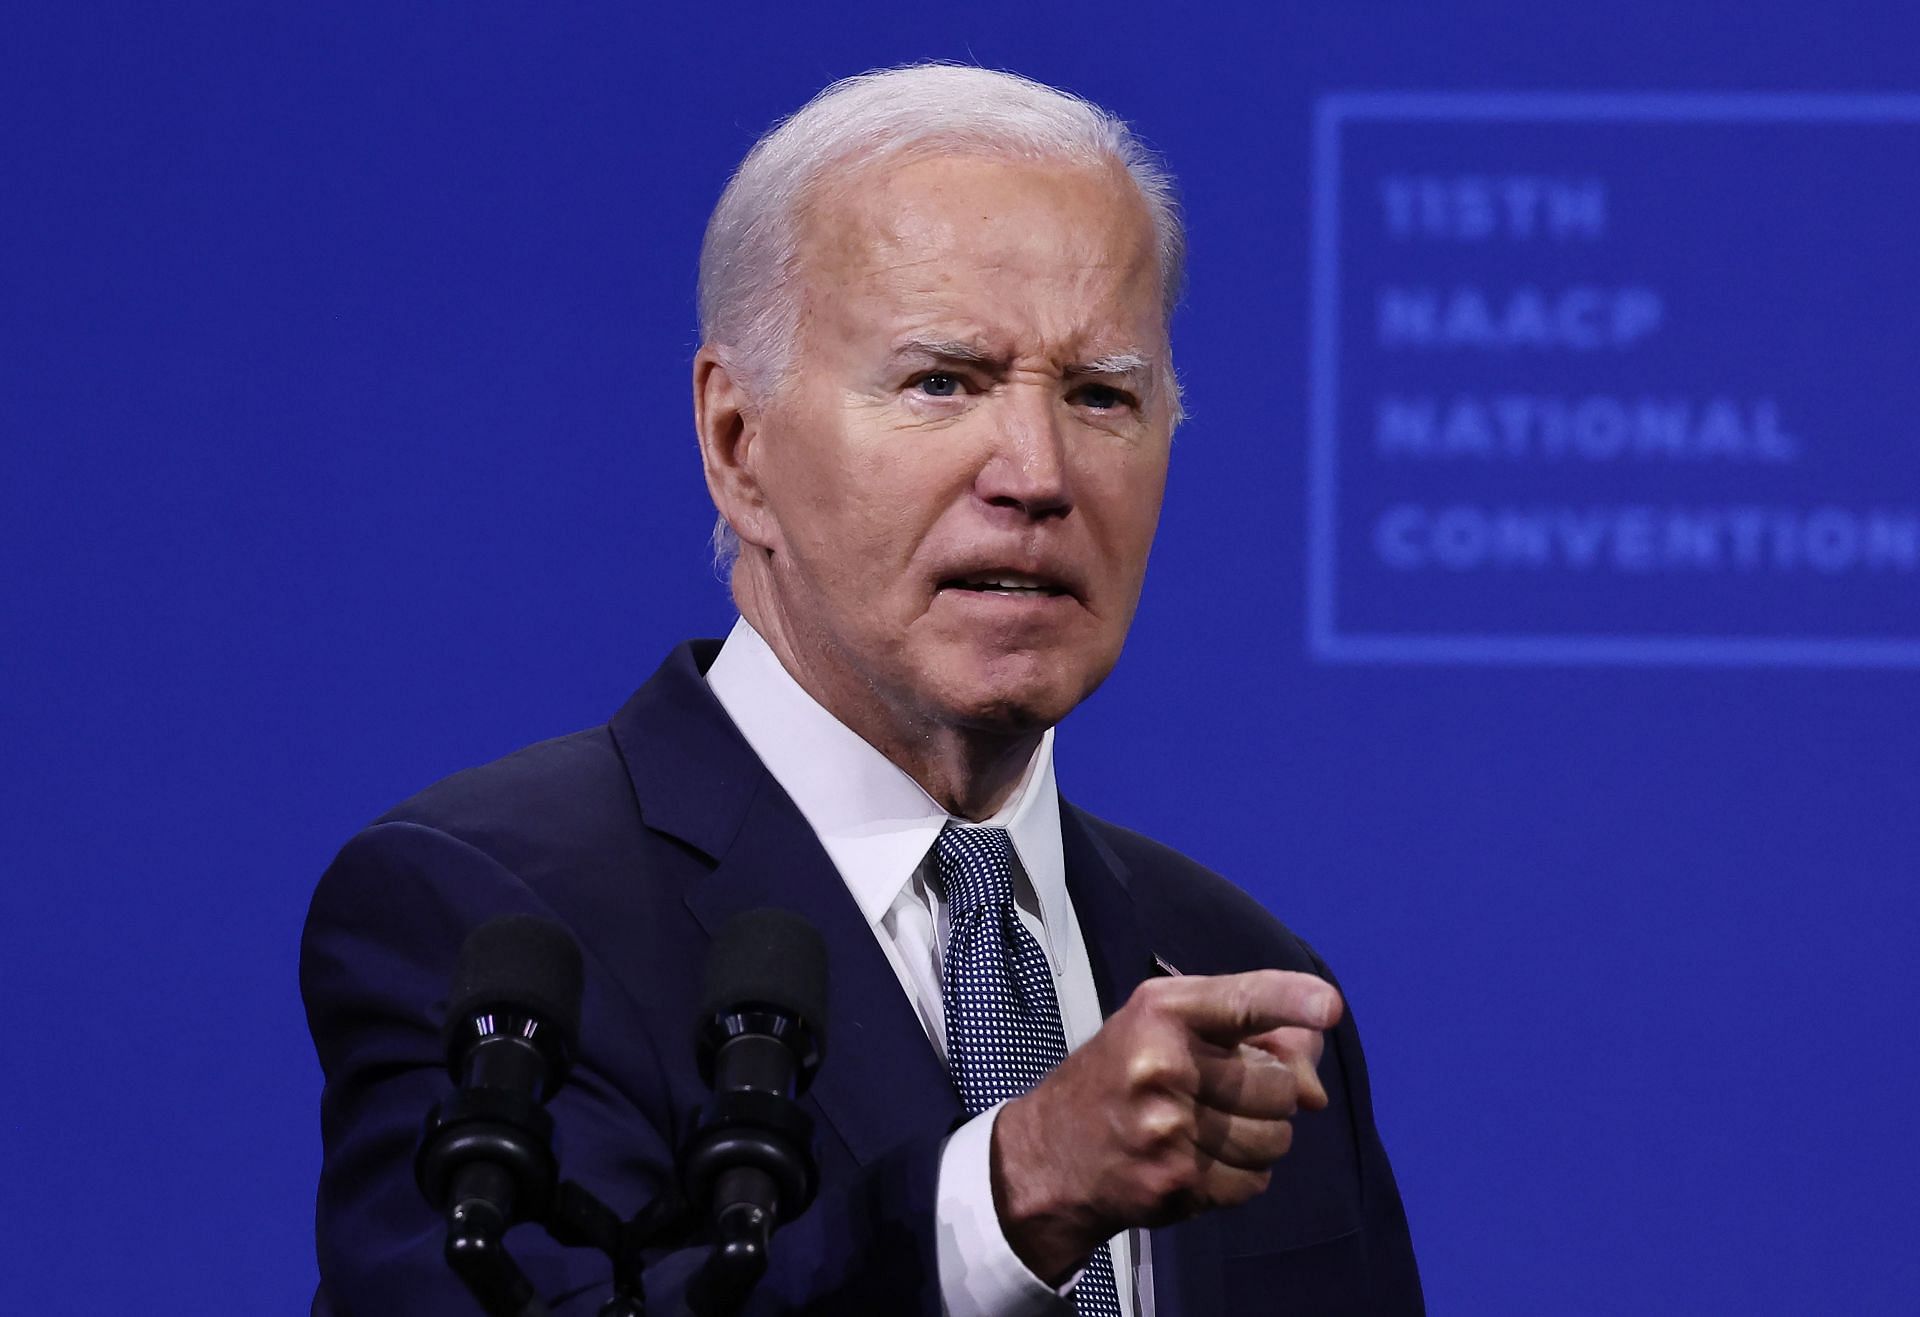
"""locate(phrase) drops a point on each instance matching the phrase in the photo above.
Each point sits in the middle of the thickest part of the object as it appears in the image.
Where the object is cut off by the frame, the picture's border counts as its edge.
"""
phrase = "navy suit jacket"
(642, 837)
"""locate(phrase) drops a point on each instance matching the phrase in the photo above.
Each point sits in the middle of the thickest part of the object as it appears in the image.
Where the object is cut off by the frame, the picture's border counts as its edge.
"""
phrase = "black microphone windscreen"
(769, 958)
(520, 961)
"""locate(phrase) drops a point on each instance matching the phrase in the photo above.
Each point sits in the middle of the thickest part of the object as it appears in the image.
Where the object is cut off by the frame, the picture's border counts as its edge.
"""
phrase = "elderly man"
(934, 404)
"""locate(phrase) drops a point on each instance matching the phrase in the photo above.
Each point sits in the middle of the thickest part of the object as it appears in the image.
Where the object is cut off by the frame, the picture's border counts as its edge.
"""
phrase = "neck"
(970, 772)
(971, 775)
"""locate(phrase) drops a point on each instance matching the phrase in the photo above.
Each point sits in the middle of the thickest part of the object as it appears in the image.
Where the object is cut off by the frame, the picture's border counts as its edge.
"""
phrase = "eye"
(938, 384)
(1102, 397)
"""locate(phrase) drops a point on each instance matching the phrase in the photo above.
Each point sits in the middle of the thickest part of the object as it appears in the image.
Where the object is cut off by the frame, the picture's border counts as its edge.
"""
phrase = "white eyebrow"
(946, 349)
(1114, 363)
(1117, 364)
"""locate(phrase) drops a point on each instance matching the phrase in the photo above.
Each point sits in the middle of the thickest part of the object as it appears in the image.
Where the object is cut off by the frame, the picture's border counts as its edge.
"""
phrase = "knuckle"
(1158, 1068)
(1152, 995)
(1147, 1068)
(1161, 1127)
(1243, 1000)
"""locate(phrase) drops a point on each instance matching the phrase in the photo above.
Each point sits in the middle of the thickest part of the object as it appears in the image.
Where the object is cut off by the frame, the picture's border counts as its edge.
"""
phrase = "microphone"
(486, 1154)
(514, 1009)
(762, 1037)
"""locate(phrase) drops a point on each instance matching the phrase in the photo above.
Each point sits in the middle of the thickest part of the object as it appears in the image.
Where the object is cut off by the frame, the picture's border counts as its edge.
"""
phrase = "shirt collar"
(874, 821)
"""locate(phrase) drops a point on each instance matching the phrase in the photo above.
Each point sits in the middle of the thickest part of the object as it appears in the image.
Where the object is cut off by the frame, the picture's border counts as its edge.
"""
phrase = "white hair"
(749, 298)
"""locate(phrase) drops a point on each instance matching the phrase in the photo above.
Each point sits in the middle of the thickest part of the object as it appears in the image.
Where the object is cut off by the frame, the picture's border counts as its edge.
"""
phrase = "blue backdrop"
(1535, 621)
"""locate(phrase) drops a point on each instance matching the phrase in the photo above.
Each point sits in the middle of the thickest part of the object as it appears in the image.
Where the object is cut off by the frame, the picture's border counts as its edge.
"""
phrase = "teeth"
(1006, 583)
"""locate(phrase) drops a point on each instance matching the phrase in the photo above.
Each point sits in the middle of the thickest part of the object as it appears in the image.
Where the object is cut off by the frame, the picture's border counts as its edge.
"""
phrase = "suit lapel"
(881, 1082)
(1186, 1258)
(1103, 902)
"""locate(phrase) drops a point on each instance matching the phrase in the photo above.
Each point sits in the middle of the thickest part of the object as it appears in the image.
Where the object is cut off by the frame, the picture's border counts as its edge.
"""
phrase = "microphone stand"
(477, 1252)
(579, 1220)
(751, 1159)
(734, 1265)
(486, 1156)
(488, 1149)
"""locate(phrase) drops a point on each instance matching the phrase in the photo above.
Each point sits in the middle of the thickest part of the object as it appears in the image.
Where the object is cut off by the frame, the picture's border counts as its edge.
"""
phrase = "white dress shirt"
(878, 827)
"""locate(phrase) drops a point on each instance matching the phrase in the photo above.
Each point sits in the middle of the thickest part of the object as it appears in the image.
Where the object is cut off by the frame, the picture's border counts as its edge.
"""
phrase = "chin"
(1013, 714)
(1021, 693)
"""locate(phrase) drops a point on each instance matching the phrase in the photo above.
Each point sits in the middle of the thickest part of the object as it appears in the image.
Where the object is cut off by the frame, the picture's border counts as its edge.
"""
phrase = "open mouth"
(1012, 584)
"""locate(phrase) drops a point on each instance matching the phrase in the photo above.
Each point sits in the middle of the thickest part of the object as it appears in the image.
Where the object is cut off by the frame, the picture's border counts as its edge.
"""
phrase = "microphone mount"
(486, 1158)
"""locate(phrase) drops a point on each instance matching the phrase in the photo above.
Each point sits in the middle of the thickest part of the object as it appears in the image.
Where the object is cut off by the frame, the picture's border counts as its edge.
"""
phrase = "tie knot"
(974, 868)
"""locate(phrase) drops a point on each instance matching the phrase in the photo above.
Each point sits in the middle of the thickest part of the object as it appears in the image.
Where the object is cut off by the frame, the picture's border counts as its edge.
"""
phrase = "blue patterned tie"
(1003, 1020)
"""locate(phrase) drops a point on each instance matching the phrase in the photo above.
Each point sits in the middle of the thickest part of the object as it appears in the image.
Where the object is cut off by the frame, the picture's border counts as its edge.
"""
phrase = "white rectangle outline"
(1324, 641)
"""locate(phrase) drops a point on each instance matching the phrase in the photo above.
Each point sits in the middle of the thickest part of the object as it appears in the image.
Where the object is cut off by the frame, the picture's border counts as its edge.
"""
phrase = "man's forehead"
(918, 225)
(955, 324)
(1016, 271)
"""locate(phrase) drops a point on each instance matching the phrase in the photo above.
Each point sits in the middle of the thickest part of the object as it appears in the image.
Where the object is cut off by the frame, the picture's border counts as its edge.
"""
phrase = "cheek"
(1128, 495)
(814, 480)
(898, 488)
(856, 518)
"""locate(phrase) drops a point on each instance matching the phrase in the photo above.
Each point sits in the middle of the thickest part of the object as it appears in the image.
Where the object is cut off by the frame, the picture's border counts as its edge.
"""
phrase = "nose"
(1026, 465)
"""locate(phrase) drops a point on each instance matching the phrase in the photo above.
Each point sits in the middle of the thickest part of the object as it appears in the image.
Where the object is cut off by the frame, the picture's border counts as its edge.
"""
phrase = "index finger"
(1225, 1008)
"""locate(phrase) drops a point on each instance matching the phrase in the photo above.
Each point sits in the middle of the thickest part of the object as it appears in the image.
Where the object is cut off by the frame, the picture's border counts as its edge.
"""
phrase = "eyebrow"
(1114, 363)
(971, 354)
(946, 349)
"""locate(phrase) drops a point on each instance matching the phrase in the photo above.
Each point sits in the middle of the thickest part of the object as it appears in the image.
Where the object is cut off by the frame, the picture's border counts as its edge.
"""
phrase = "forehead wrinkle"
(917, 261)
(978, 300)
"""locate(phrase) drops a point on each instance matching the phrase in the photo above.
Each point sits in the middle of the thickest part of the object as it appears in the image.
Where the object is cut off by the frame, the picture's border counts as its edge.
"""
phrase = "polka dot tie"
(1003, 1020)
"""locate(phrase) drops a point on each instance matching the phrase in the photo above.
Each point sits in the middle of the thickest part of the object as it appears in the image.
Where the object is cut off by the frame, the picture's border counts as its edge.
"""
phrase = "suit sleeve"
(377, 955)
(1393, 1276)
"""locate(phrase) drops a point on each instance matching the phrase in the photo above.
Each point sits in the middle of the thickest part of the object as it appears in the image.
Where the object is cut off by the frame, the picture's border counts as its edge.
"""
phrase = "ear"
(728, 423)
